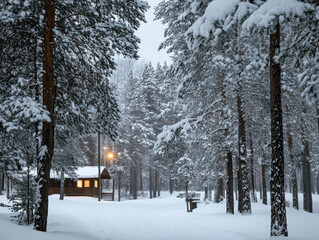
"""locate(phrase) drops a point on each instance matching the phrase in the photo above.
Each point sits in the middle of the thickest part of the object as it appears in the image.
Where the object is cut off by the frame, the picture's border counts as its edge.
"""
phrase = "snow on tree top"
(268, 12)
(219, 16)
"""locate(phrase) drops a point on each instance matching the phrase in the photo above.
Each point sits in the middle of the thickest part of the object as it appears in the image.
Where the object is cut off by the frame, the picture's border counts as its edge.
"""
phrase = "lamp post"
(110, 156)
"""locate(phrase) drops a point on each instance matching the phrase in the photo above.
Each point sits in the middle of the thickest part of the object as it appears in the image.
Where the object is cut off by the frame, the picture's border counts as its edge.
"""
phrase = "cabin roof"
(85, 172)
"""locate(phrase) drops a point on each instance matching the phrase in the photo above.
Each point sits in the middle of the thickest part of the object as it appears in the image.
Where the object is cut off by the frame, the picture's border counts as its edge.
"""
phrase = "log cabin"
(85, 184)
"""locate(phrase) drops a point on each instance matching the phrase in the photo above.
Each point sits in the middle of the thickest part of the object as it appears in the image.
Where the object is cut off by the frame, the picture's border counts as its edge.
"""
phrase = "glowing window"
(79, 184)
(95, 183)
(86, 183)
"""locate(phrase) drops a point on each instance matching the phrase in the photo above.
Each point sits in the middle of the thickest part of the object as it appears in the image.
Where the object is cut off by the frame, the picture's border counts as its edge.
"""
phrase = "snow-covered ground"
(164, 218)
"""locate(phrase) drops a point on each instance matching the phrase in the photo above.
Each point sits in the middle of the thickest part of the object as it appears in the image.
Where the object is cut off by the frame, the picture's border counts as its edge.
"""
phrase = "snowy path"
(164, 218)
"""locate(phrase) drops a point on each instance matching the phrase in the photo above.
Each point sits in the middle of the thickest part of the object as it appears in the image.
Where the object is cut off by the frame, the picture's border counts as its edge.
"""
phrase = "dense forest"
(236, 113)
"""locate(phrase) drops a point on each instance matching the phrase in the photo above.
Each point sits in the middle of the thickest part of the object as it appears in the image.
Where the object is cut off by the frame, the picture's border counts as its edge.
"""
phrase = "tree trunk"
(171, 185)
(277, 191)
(158, 184)
(252, 175)
(264, 183)
(99, 191)
(49, 91)
(134, 182)
(229, 184)
(244, 205)
(186, 195)
(113, 188)
(8, 188)
(210, 197)
(141, 180)
(150, 182)
(260, 184)
(1, 181)
(218, 194)
(306, 174)
(236, 178)
(28, 194)
(240, 189)
(119, 184)
(131, 181)
(62, 185)
(155, 184)
(293, 174)
(206, 194)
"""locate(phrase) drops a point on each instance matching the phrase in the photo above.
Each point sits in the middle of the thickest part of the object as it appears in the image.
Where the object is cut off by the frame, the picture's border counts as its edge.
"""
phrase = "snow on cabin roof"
(81, 172)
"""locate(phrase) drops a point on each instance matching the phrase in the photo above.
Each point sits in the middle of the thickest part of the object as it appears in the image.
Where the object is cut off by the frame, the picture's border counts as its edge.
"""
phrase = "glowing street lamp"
(110, 155)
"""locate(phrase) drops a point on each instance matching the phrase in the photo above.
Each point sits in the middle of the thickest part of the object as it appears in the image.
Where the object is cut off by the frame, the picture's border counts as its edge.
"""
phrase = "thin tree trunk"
(159, 185)
(293, 174)
(264, 183)
(62, 185)
(171, 187)
(186, 195)
(113, 188)
(1, 181)
(99, 191)
(37, 99)
(206, 194)
(8, 188)
(155, 184)
(119, 183)
(240, 188)
(229, 184)
(134, 182)
(28, 194)
(131, 181)
(260, 184)
(252, 169)
(306, 171)
(277, 180)
(150, 182)
(244, 204)
(218, 194)
(318, 131)
(236, 178)
(141, 180)
(210, 196)
(49, 91)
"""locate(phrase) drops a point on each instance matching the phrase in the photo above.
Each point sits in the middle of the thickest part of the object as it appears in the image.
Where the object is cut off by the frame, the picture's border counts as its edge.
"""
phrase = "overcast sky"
(151, 35)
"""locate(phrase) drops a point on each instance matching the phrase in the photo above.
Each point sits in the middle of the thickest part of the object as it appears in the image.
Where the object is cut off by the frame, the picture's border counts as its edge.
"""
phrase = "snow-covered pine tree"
(269, 16)
(93, 51)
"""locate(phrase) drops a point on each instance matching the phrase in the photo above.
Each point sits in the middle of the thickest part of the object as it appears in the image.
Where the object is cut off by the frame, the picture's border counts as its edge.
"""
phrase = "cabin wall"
(71, 189)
